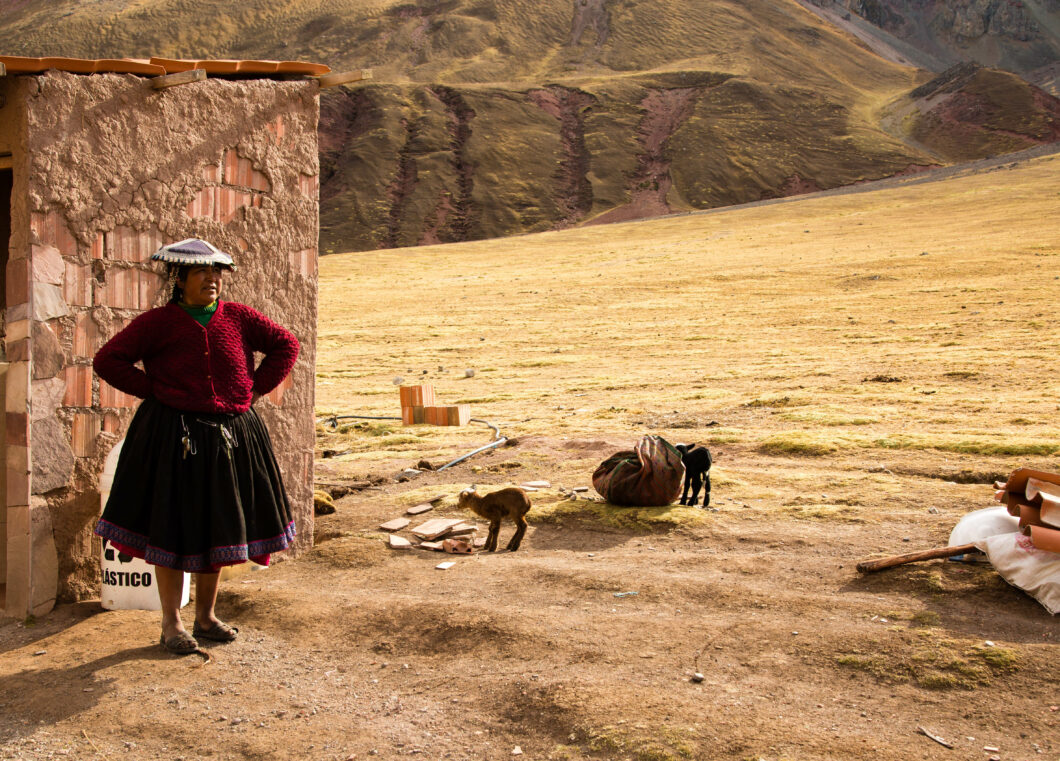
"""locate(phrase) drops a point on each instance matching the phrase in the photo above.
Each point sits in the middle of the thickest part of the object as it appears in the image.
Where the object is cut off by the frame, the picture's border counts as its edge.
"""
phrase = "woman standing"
(197, 486)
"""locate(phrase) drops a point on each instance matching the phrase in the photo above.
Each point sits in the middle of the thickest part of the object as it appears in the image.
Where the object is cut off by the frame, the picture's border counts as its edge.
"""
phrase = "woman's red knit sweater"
(196, 368)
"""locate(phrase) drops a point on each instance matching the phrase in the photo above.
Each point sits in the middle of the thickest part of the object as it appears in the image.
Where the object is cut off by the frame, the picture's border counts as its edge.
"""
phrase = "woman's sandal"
(181, 643)
(219, 632)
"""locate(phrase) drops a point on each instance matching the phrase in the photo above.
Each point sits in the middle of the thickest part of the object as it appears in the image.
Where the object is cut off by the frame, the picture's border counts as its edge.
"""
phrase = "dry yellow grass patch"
(917, 318)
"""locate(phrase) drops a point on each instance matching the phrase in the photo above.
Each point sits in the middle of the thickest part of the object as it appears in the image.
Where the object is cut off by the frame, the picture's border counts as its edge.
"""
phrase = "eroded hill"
(496, 117)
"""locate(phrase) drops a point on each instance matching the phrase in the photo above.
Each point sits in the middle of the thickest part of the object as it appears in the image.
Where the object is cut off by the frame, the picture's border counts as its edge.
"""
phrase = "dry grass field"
(861, 365)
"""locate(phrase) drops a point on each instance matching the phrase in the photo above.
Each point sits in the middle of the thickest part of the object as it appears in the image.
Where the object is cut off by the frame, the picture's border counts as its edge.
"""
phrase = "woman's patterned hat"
(194, 253)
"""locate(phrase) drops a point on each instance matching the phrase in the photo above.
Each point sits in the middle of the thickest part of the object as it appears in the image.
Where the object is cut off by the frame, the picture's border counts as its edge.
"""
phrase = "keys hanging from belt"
(186, 440)
(226, 435)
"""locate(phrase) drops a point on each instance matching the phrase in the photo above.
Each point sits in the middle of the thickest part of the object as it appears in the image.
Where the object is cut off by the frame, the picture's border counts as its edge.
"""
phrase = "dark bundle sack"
(648, 476)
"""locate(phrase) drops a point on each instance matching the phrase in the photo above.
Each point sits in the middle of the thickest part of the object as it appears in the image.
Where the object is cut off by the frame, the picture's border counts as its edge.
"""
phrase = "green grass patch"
(826, 418)
(799, 443)
(1011, 446)
(933, 661)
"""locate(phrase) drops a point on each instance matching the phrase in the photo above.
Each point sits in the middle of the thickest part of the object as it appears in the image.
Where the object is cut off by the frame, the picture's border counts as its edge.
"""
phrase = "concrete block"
(17, 429)
(417, 396)
(151, 285)
(18, 521)
(18, 463)
(16, 329)
(52, 459)
(124, 244)
(46, 398)
(48, 302)
(48, 355)
(202, 204)
(412, 416)
(87, 336)
(77, 284)
(16, 398)
(83, 432)
(78, 386)
(47, 265)
(449, 414)
(50, 229)
(17, 283)
(112, 398)
(17, 603)
(44, 572)
(18, 351)
(98, 245)
(17, 485)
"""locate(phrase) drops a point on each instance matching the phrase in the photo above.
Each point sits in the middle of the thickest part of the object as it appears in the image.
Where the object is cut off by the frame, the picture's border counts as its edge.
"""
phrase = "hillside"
(496, 117)
(1022, 37)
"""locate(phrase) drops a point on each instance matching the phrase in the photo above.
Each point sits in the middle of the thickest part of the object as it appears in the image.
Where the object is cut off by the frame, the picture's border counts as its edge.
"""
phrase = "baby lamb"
(697, 472)
(496, 506)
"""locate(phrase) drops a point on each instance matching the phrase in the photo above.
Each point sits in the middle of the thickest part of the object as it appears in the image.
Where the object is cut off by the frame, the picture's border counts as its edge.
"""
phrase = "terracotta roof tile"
(160, 66)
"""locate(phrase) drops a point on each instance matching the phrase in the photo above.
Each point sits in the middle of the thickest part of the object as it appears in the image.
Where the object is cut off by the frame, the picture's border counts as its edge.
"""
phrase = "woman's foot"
(216, 631)
(180, 643)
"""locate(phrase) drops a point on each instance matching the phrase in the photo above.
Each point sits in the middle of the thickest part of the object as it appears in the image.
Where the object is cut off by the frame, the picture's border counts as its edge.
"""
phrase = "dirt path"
(359, 651)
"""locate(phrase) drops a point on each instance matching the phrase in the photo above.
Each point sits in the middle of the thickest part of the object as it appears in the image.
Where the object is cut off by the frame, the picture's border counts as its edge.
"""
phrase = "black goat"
(697, 472)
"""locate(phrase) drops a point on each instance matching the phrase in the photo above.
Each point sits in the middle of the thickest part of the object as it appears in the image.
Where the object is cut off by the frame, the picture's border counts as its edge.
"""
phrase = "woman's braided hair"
(177, 272)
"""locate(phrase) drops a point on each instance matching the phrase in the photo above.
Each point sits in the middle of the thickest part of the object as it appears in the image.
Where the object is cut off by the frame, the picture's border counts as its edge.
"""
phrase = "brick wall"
(224, 161)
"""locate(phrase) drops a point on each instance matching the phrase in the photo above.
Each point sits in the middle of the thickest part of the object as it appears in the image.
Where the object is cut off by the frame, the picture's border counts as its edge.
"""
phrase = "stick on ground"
(871, 566)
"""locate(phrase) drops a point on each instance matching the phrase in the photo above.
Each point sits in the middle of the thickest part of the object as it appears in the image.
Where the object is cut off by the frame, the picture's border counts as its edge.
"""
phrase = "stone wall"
(115, 170)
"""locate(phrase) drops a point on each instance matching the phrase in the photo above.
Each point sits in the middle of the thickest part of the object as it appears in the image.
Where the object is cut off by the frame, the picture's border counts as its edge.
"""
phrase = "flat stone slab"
(399, 542)
(417, 509)
(433, 529)
(395, 525)
(536, 485)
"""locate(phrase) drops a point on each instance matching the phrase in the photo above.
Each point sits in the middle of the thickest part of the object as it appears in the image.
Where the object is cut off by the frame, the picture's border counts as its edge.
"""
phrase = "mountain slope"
(496, 117)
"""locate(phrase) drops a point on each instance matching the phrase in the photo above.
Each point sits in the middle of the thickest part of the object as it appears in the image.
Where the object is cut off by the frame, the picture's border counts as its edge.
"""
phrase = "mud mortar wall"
(116, 169)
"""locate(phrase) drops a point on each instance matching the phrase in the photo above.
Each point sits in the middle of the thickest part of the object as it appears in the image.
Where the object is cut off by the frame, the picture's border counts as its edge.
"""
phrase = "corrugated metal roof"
(157, 67)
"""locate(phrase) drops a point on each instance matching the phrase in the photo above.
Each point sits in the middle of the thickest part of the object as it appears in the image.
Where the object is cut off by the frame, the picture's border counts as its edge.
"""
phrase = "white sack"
(1021, 564)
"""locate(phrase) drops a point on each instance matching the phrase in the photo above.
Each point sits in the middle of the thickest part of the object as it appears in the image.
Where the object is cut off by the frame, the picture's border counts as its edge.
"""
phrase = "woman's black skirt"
(197, 491)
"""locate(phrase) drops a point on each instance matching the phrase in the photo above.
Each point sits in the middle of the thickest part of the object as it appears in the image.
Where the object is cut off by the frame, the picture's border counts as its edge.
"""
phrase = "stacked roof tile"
(1034, 497)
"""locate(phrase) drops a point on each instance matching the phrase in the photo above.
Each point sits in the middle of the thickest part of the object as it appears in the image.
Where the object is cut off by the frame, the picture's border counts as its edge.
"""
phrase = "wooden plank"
(344, 77)
(180, 78)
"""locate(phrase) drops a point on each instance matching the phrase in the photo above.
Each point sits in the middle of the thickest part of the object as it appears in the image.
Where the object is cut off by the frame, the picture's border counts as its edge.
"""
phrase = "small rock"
(41, 652)
(933, 510)
(697, 677)
(991, 748)
(988, 643)
(906, 539)
(469, 373)
(398, 380)
(445, 566)
(794, 634)
(517, 751)
(995, 757)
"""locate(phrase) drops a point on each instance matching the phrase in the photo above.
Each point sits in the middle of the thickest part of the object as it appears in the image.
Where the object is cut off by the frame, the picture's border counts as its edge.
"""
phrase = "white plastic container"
(128, 583)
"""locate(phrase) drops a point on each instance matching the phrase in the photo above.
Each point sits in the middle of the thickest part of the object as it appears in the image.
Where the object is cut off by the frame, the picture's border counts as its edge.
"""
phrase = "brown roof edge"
(157, 67)
(222, 66)
(22, 65)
